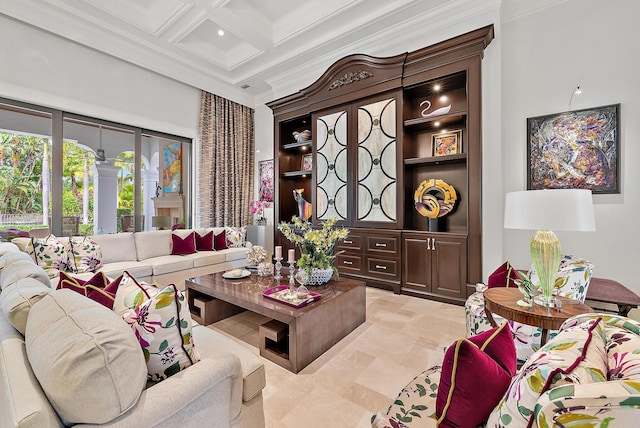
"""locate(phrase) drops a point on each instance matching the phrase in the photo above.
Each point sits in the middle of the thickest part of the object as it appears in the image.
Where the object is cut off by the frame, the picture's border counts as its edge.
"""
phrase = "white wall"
(545, 56)
(40, 68)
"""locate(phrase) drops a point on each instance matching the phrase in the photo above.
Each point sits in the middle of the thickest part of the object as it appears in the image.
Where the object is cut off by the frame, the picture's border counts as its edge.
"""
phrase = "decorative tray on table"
(297, 300)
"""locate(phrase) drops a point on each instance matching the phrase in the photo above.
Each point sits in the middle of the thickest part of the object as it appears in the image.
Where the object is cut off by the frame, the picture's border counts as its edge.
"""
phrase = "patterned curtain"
(225, 162)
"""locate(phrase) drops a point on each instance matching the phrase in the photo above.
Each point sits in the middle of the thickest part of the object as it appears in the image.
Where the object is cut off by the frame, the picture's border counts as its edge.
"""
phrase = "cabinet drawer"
(348, 263)
(383, 269)
(353, 243)
(383, 244)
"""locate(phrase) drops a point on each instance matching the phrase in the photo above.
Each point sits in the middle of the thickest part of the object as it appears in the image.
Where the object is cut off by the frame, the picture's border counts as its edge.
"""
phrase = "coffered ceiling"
(265, 42)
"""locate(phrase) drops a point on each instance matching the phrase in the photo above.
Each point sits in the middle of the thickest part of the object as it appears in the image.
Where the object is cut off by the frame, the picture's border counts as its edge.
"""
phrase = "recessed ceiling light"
(436, 87)
(436, 124)
(220, 32)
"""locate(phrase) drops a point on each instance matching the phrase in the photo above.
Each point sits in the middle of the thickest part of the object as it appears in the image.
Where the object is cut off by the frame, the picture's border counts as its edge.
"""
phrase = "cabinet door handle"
(347, 262)
(347, 242)
(428, 243)
(433, 244)
(380, 244)
(381, 267)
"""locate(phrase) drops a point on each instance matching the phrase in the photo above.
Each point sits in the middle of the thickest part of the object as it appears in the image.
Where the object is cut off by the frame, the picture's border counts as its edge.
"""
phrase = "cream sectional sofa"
(104, 381)
(147, 256)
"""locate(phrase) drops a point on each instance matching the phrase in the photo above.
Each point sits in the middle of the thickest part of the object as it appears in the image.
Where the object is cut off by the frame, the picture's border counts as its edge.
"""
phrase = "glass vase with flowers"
(257, 209)
(316, 247)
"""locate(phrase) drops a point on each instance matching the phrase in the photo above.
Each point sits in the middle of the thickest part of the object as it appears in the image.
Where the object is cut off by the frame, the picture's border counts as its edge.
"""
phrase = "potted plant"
(316, 248)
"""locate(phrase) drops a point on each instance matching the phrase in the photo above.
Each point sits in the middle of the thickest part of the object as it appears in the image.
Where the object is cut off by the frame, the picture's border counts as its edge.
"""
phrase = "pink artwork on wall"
(265, 172)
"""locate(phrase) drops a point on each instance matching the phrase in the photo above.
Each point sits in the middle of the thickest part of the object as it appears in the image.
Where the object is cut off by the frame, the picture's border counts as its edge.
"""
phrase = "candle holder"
(292, 281)
(277, 276)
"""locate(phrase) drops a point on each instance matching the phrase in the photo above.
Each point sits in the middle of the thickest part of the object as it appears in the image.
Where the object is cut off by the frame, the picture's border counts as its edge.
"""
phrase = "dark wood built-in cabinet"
(373, 122)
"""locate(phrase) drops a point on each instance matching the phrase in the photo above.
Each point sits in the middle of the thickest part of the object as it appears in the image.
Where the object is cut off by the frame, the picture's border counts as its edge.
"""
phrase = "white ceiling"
(265, 41)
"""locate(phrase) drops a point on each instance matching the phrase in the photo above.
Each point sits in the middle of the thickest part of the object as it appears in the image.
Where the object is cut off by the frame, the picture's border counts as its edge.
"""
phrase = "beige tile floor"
(362, 373)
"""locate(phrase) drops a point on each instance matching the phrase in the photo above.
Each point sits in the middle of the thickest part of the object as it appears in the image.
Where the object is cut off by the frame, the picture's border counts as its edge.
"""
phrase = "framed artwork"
(575, 150)
(265, 173)
(307, 162)
(172, 167)
(446, 143)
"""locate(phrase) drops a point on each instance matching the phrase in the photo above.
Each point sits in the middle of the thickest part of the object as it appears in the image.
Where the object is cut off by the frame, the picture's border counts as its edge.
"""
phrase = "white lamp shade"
(552, 209)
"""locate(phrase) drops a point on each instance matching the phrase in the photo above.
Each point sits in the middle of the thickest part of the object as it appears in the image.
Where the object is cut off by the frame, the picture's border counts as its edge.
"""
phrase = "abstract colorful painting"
(575, 150)
(265, 172)
(172, 171)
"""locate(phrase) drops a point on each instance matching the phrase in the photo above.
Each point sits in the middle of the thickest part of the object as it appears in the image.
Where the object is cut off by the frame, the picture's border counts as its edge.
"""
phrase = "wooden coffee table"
(502, 301)
(294, 337)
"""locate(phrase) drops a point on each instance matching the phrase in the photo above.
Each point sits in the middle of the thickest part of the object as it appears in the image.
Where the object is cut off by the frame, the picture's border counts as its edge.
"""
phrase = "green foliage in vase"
(316, 245)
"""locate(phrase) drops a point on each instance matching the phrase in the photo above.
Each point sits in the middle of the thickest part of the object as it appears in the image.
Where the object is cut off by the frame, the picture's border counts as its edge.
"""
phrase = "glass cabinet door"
(377, 175)
(331, 166)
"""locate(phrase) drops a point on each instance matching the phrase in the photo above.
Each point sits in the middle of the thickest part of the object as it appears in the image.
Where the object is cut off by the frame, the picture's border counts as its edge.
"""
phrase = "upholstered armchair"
(572, 282)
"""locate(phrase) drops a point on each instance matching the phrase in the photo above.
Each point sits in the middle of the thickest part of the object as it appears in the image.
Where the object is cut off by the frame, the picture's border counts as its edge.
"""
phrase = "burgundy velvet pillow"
(96, 288)
(205, 242)
(181, 246)
(474, 378)
(503, 276)
(498, 344)
(220, 241)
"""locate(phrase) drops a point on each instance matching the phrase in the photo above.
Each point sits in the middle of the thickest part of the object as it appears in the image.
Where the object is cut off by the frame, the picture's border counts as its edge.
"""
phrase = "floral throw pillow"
(50, 254)
(236, 236)
(161, 321)
(85, 255)
(575, 355)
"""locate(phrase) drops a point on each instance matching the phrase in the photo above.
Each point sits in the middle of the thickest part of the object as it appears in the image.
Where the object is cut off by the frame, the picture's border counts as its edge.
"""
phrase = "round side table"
(502, 301)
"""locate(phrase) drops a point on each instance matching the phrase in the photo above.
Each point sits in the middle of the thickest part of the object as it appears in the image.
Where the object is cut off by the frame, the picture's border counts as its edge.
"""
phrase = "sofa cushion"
(135, 268)
(204, 242)
(85, 358)
(183, 245)
(211, 342)
(236, 236)
(574, 355)
(9, 257)
(153, 244)
(16, 301)
(162, 323)
(166, 264)
(8, 247)
(22, 269)
(383, 421)
(206, 258)
(116, 247)
(22, 400)
(85, 254)
(98, 287)
(475, 375)
(232, 254)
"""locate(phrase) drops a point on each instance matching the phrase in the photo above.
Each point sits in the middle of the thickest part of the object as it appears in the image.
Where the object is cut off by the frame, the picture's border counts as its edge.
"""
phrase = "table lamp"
(161, 222)
(542, 211)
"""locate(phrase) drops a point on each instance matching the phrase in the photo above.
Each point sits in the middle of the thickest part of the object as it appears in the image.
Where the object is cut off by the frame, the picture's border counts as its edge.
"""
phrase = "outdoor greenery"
(21, 178)
(21, 173)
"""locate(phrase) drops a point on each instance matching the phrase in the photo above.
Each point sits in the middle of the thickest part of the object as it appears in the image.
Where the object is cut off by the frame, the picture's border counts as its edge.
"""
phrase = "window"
(94, 177)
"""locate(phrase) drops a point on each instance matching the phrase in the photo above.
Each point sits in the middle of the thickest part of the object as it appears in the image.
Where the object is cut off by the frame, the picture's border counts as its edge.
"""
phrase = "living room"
(540, 54)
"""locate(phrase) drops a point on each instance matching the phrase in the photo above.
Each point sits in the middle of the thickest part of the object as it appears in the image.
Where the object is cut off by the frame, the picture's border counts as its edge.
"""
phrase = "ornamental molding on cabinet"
(351, 77)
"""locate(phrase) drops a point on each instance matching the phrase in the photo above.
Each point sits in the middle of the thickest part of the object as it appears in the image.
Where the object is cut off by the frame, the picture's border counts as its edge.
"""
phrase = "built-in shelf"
(297, 173)
(437, 160)
(296, 145)
(429, 122)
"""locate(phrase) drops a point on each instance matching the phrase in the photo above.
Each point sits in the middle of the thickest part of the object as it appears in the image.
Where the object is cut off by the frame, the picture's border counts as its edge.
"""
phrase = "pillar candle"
(292, 255)
(278, 252)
